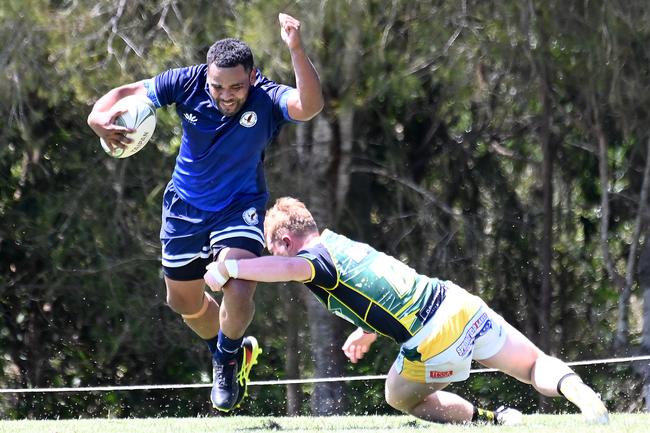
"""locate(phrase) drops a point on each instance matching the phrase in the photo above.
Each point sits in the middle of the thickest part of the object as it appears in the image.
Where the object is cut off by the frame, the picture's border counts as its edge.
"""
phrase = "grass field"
(620, 423)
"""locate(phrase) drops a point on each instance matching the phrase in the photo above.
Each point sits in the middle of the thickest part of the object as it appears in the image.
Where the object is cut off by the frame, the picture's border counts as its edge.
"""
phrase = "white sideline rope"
(280, 381)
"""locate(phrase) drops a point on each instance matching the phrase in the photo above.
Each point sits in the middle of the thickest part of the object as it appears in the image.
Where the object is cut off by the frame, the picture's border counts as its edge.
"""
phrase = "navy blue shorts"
(191, 237)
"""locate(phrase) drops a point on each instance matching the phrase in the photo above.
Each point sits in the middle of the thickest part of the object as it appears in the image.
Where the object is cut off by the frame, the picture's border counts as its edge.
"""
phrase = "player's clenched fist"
(358, 344)
(289, 30)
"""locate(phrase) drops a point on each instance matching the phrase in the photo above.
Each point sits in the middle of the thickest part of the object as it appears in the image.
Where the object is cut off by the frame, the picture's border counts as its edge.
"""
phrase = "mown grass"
(620, 423)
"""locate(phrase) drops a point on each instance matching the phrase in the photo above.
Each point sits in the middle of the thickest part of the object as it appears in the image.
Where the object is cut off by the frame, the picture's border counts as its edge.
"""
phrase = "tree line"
(500, 145)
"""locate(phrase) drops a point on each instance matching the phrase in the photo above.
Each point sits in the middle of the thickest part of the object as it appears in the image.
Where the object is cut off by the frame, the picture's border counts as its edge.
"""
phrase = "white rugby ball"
(141, 116)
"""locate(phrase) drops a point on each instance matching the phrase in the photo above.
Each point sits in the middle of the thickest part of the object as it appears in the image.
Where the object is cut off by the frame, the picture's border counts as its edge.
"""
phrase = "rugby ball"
(141, 116)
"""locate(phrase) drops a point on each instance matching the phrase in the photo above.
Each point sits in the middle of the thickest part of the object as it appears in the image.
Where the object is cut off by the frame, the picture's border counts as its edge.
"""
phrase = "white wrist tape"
(232, 267)
(213, 269)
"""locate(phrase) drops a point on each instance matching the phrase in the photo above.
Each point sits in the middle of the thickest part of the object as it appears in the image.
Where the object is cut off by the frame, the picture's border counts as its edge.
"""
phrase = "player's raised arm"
(102, 117)
(264, 269)
(307, 101)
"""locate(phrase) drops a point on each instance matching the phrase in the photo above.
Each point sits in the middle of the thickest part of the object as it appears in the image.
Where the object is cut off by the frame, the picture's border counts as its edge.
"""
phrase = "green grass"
(620, 423)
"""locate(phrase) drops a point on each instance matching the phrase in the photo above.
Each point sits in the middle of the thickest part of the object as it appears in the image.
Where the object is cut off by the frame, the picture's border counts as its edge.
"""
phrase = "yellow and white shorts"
(463, 329)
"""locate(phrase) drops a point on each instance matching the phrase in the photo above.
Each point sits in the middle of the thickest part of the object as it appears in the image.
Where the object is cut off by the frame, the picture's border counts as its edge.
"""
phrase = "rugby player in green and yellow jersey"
(440, 326)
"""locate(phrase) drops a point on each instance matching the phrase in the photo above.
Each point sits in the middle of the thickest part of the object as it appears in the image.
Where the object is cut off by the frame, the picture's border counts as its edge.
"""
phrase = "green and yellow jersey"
(369, 288)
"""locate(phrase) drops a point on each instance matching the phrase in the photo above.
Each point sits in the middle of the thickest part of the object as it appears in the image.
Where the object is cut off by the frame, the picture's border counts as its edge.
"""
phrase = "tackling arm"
(268, 269)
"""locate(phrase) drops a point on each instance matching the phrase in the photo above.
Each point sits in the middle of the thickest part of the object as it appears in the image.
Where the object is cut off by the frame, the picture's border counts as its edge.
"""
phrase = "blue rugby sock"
(212, 343)
(227, 348)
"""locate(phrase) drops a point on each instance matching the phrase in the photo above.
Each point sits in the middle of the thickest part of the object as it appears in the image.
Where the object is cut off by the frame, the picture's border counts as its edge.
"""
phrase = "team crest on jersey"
(250, 216)
(248, 119)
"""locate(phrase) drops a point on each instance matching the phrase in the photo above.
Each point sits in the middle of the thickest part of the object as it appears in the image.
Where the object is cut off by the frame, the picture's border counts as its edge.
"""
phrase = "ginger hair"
(288, 215)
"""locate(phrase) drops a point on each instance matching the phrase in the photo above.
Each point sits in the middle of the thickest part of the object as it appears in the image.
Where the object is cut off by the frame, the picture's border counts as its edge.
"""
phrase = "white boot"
(508, 416)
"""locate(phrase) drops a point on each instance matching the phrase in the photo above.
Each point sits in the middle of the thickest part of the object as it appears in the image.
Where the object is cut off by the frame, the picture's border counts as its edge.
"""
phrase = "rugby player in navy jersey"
(440, 326)
(213, 207)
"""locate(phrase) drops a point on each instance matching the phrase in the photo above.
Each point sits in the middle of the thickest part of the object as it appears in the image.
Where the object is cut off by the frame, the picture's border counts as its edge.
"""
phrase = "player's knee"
(176, 303)
(546, 372)
(394, 400)
(389, 397)
(240, 291)
(398, 404)
(185, 297)
(185, 305)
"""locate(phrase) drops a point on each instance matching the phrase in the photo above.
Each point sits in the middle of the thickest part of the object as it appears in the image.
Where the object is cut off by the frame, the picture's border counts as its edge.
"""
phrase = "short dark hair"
(230, 52)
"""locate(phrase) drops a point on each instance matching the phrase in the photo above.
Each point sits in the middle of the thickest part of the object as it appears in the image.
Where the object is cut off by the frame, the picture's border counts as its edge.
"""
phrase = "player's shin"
(205, 321)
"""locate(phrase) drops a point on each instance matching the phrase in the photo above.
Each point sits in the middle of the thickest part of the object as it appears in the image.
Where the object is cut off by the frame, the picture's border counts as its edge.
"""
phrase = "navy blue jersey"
(369, 288)
(220, 157)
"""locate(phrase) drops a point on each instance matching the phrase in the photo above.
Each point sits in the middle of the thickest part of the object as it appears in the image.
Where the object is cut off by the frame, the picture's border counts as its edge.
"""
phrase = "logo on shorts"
(440, 374)
(250, 216)
(476, 329)
(248, 119)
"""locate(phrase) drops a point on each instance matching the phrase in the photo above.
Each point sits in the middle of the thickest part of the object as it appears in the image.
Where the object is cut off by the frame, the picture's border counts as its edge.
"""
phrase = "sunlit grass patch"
(620, 423)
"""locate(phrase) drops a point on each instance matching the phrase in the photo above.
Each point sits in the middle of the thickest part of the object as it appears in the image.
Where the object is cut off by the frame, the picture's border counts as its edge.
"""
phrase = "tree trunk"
(620, 340)
(319, 163)
(643, 266)
(327, 398)
(292, 361)
(324, 329)
(547, 230)
(642, 368)
(548, 156)
(326, 177)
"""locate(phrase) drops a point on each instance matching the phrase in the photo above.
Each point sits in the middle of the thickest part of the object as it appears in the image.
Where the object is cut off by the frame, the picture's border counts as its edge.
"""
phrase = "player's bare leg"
(235, 354)
(430, 403)
(426, 401)
(197, 308)
(521, 359)
(237, 305)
